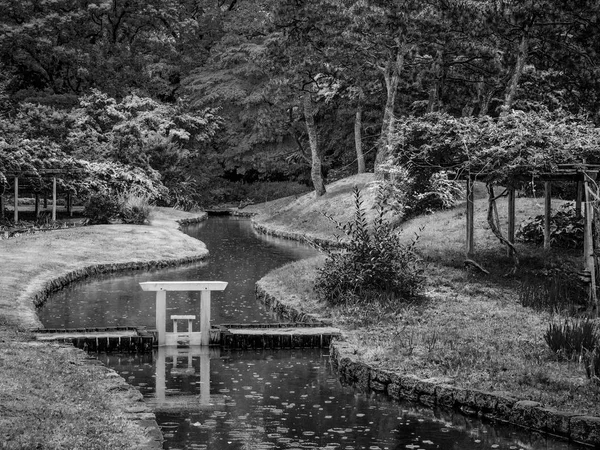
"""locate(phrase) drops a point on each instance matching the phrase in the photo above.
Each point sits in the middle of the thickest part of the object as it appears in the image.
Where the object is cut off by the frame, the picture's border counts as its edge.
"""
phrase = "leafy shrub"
(560, 290)
(566, 228)
(440, 193)
(101, 208)
(573, 337)
(371, 266)
(134, 207)
(409, 194)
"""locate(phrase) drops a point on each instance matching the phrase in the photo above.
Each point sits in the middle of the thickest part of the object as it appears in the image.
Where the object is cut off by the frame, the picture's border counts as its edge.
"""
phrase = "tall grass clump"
(372, 266)
(572, 337)
(134, 207)
(577, 338)
(559, 291)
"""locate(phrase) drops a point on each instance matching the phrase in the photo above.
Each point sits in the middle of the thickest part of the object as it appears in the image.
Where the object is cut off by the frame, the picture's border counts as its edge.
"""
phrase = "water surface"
(281, 399)
(238, 255)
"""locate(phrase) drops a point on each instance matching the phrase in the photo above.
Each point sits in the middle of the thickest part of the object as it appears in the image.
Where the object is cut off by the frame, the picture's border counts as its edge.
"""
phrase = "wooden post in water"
(547, 212)
(16, 215)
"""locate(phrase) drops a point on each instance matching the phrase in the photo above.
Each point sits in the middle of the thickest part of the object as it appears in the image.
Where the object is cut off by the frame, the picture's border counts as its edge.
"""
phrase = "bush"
(134, 207)
(566, 228)
(101, 208)
(372, 266)
(410, 194)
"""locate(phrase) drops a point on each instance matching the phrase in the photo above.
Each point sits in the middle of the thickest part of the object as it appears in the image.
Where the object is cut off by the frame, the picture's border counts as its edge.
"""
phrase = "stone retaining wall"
(294, 236)
(136, 409)
(499, 406)
(56, 284)
(471, 402)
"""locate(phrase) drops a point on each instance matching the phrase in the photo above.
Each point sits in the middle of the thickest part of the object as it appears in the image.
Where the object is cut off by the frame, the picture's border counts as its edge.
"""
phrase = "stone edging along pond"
(136, 410)
(499, 406)
(58, 283)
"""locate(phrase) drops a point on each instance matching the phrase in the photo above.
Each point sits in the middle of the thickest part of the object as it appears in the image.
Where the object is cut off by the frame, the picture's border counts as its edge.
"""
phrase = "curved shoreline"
(34, 291)
(499, 406)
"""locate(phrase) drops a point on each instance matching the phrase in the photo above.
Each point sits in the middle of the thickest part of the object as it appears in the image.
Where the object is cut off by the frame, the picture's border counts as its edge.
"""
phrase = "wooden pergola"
(583, 174)
(41, 173)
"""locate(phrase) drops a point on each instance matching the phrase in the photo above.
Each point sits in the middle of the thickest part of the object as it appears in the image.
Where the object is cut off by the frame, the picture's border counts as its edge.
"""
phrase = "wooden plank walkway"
(235, 336)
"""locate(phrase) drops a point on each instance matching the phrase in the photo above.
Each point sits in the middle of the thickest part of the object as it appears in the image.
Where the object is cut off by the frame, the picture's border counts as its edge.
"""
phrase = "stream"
(277, 399)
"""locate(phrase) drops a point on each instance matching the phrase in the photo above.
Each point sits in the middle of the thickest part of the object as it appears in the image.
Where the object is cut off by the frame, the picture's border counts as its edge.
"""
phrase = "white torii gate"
(161, 288)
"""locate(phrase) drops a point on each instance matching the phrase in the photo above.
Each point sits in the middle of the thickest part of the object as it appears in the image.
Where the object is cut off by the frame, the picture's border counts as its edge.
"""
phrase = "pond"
(213, 399)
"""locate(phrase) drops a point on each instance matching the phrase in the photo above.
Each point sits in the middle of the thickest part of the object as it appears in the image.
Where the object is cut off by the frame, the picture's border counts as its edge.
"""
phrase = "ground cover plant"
(469, 329)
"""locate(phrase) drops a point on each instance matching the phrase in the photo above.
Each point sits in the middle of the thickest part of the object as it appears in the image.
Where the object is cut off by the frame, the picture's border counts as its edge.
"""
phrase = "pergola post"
(547, 212)
(470, 245)
(16, 217)
(578, 199)
(588, 245)
(37, 205)
(511, 219)
(54, 199)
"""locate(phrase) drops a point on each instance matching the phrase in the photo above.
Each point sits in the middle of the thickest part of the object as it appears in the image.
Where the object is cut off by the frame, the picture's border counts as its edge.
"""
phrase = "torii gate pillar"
(161, 288)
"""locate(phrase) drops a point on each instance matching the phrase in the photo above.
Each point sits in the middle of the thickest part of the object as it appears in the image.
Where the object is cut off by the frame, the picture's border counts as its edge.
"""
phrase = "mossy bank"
(467, 344)
(55, 396)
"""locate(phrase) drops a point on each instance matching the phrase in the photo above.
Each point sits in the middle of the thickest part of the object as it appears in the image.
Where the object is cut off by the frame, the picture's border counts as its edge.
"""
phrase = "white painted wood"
(161, 287)
(183, 317)
(161, 316)
(205, 317)
(183, 285)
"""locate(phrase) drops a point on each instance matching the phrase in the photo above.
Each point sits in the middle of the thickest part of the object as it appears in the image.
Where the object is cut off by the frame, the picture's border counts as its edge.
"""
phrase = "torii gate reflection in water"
(198, 342)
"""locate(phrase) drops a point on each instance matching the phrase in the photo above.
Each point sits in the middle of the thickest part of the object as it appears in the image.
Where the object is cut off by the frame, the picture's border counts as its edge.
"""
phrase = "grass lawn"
(51, 396)
(468, 327)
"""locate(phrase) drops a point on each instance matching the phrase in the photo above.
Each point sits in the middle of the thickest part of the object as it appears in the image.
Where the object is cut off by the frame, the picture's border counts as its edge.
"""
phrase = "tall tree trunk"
(511, 90)
(391, 74)
(316, 172)
(360, 157)
(435, 92)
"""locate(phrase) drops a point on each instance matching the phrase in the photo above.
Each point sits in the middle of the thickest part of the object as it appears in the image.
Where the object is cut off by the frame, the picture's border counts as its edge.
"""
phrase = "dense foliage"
(300, 90)
(372, 265)
(566, 228)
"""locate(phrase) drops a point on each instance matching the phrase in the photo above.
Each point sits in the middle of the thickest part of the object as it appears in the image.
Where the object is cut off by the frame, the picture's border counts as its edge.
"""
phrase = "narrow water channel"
(280, 399)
